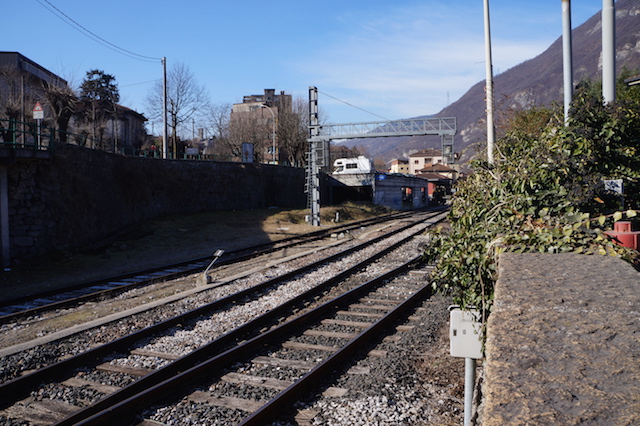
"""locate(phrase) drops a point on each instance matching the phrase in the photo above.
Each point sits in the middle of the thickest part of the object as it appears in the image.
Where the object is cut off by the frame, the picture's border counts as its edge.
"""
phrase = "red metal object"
(624, 235)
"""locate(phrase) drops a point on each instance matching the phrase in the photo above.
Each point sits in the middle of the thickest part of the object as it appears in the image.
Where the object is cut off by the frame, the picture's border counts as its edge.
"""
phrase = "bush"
(544, 193)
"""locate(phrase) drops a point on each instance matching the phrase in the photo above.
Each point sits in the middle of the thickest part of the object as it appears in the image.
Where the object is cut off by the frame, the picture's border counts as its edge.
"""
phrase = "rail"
(125, 404)
(18, 388)
(17, 309)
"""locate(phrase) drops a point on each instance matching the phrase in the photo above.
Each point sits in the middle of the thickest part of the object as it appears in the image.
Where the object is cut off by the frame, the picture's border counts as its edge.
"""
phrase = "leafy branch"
(545, 193)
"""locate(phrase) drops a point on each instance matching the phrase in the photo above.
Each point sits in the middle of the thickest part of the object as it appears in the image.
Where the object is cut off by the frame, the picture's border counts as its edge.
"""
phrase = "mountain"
(536, 82)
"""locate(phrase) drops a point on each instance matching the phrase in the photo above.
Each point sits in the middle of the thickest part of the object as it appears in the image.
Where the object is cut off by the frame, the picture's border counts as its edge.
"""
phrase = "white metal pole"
(489, 84)
(469, 385)
(567, 54)
(608, 51)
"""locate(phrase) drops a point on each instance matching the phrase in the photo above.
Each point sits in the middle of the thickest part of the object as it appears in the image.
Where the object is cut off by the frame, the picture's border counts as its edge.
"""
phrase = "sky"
(370, 60)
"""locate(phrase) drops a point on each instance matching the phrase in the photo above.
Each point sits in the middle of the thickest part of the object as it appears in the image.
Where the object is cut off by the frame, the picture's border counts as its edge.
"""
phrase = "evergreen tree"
(98, 98)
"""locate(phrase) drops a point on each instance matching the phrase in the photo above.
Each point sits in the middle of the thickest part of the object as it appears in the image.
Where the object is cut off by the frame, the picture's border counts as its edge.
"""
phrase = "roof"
(433, 176)
(439, 167)
(17, 61)
(399, 161)
(429, 152)
(632, 81)
(128, 110)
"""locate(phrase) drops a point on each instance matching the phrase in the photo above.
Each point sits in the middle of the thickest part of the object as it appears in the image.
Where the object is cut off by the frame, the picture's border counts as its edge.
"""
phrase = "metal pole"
(205, 279)
(314, 172)
(469, 385)
(608, 51)
(165, 145)
(489, 84)
(39, 123)
(567, 55)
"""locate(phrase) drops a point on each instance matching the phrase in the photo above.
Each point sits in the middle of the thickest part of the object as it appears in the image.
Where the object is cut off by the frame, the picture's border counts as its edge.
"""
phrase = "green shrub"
(544, 193)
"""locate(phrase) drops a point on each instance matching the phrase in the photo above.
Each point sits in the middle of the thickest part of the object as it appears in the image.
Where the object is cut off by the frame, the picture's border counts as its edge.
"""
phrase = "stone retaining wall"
(563, 342)
(81, 195)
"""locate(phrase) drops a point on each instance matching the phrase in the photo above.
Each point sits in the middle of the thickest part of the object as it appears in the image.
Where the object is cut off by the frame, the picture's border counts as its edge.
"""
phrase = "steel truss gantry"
(320, 135)
(408, 127)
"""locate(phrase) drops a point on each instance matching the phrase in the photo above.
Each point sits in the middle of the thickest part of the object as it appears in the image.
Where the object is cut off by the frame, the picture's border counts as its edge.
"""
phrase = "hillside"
(536, 82)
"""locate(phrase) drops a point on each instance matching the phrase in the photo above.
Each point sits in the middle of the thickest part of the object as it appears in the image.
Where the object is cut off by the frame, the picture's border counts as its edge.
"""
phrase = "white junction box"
(465, 333)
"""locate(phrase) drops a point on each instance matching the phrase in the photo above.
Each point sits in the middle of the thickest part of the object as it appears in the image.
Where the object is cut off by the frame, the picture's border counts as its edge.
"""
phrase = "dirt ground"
(165, 240)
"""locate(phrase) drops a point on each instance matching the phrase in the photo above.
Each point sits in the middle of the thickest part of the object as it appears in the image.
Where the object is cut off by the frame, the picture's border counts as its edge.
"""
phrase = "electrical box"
(465, 333)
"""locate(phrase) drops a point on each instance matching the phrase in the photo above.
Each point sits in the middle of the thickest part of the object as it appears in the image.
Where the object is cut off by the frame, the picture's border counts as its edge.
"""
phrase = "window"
(352, 166)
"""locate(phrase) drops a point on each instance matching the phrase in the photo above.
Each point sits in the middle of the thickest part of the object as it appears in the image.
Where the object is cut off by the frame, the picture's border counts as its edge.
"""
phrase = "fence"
(29, 135)
(32, 135)
(18, 134)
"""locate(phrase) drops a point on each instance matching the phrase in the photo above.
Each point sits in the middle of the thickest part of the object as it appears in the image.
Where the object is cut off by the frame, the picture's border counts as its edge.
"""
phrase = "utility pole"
(489, 84)
(165, 145)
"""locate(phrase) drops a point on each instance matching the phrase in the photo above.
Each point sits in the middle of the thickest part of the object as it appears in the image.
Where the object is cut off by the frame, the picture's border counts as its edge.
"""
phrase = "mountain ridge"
(535, 82)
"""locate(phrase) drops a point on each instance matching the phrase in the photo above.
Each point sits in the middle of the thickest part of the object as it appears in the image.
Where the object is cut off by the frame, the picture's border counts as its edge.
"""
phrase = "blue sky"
(392, 59)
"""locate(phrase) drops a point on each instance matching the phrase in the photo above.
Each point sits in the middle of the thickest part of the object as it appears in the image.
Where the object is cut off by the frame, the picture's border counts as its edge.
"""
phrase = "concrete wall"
(81, 195)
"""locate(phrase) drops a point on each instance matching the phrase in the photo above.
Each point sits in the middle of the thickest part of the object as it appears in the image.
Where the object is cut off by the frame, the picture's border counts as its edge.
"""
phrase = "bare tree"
(185, 99)
(13, 98)
(12, 94)
(216, 121)
(246, 128)
(62, 104)
(293, 129)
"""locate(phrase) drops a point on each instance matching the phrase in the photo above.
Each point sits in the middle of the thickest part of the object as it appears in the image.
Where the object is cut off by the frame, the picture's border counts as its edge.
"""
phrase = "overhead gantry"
(320, 135)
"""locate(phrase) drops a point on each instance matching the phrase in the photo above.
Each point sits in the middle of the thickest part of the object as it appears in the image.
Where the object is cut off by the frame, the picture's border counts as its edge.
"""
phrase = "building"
(425, 158)
(255, 122)
(438, 170)
(126, 130)
(399, 165)
(23, 83)
(632, 81)
(269, 98)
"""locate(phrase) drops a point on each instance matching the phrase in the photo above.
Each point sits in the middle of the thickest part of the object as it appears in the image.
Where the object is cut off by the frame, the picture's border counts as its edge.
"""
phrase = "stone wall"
(563, 342)
(81, 195)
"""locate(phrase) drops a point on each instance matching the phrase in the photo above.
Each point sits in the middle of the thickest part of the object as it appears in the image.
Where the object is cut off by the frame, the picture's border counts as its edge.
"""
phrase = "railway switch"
(205, 279)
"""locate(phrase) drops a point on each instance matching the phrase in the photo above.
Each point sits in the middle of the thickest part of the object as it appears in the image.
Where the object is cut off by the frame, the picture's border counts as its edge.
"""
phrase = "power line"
(361, 109)
(140, 83)
(68, 20)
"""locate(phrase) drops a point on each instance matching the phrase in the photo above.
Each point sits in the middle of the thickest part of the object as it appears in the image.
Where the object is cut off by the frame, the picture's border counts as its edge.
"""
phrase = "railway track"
(30, 394)
(360, 315)
(15, 310)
